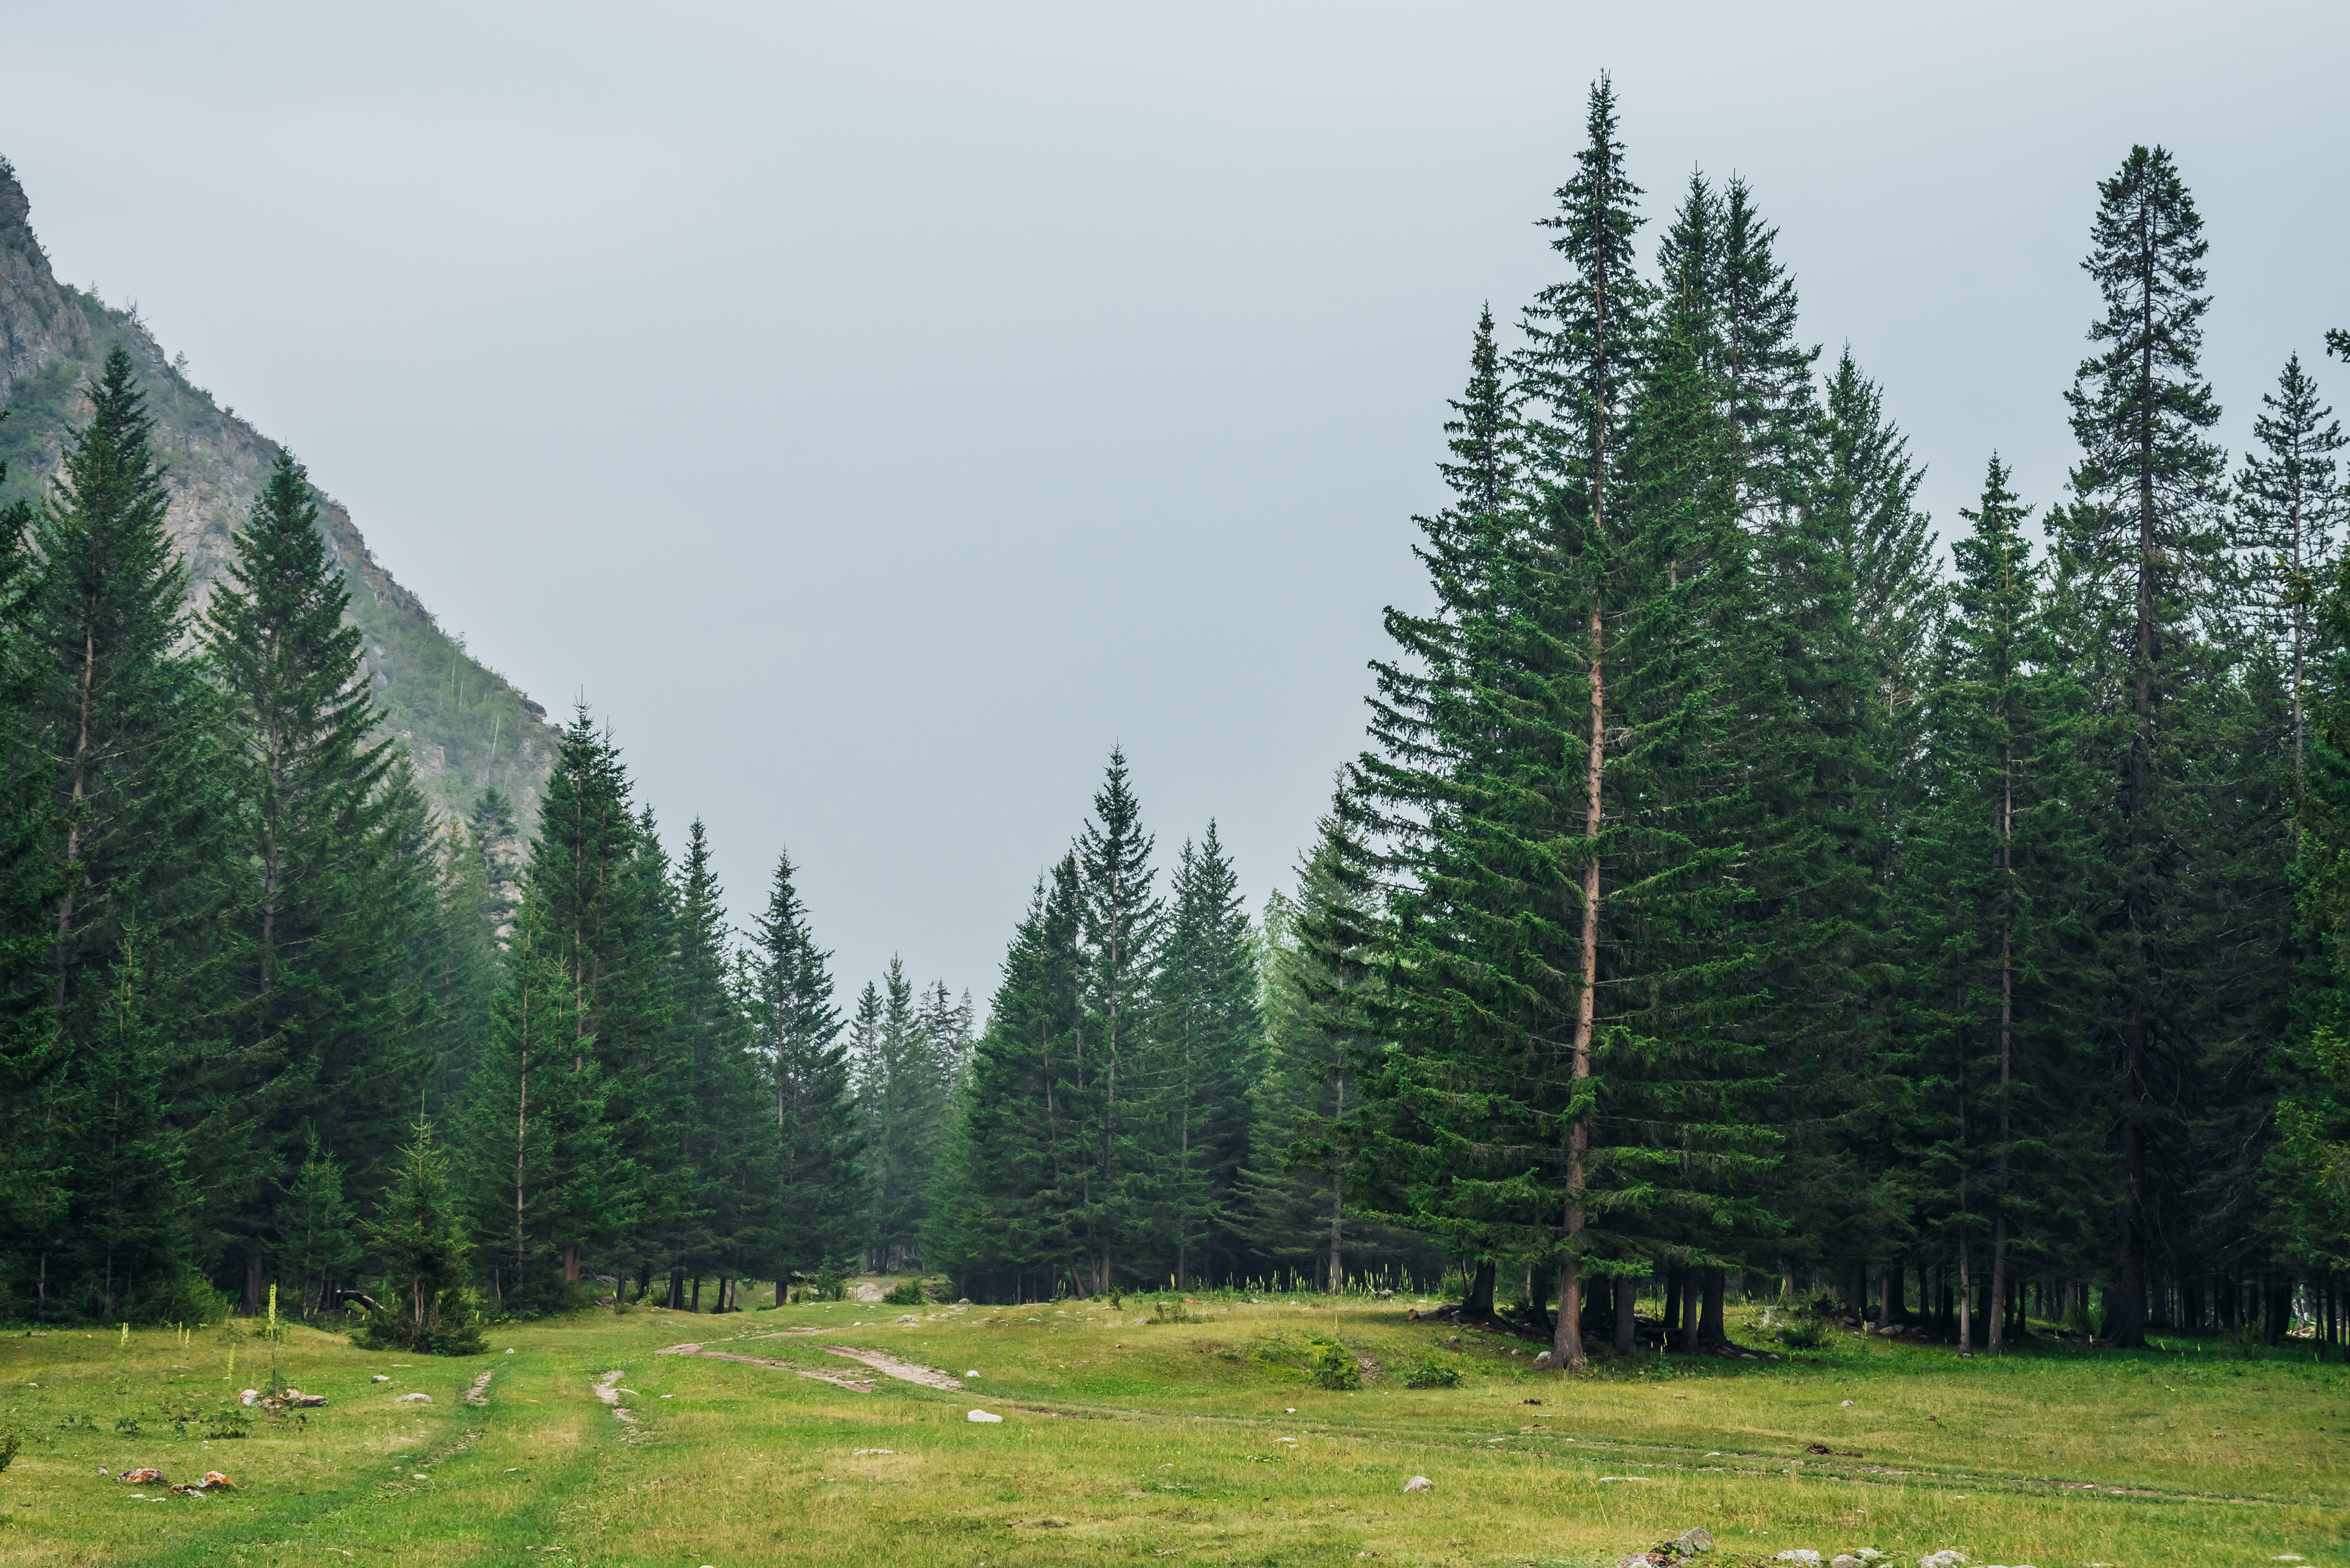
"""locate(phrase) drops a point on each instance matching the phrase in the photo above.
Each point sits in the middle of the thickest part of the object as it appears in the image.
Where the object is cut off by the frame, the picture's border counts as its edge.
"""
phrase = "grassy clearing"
(1203, 1441)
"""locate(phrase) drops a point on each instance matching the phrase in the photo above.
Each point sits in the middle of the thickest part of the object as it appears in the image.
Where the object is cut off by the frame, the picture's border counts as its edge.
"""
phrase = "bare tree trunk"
(1338, 1196)
(1566, 1340)
(1966, 1304)
(1627, 1302)
(1711, 1329)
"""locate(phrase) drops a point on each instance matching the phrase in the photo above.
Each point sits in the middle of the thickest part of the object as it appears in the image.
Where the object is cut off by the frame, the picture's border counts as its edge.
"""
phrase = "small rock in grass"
(141, 1477)
(1689, 1542)
(970, 1375)
(1943, 1559)
(1419, 1483)
(1848, 1405)
(982, 1416)
(213, 1477)
(381, 1377)
(413, 1399)
(1544, 1360)
(249, 1397)
(1799, 1554)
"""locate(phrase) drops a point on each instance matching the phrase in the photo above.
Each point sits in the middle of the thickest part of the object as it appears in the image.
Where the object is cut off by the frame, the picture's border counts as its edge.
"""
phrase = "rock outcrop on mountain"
(464, 724)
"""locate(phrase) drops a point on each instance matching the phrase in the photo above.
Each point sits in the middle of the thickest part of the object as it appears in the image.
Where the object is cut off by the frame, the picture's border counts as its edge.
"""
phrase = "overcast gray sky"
(878, 410)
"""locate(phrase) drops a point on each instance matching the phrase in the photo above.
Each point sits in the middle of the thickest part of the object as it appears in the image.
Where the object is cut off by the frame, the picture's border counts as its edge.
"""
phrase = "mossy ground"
(1200, 1441)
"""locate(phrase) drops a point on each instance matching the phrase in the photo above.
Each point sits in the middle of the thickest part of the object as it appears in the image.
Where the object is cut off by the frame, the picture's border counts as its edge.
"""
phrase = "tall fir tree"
(820, 1202)
(901, 1092)
(598, 876)
(322, 1009)
(1210, 1036)
(2139, 555)
(1120, 928)
(1011, 1179)
(121, 728)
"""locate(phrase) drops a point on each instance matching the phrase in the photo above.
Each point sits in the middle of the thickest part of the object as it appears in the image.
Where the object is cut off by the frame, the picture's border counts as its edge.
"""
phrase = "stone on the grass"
(1804, 1554)
(982, 1416)
(1419, 1483)
(213, 1477)
(1544, 1360)
(249, 1397)
(141, 1477)
(1689, 1542)
(1949, 1557)
(413, 1399)
(381, 1377)
(308, 1401)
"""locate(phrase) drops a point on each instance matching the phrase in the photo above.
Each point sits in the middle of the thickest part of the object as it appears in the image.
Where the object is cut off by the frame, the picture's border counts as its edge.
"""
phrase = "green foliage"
(1331, 1365)
(1431, 1372)
(832, 1277)
(905, 1293)
(819, 1194)
(417, 1235)
(1170, 1309)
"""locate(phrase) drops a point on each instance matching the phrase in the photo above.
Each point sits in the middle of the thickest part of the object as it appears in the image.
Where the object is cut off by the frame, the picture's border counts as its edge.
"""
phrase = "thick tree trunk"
(1710, 1327)
(1481, 1293)
(253, 1282)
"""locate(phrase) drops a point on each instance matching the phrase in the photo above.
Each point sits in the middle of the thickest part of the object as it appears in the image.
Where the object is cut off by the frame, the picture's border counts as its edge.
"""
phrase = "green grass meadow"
(1123, 1441)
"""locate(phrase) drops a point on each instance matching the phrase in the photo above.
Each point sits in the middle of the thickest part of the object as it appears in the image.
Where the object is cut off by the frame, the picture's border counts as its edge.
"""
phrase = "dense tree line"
(1733, 890)
(1739, 889)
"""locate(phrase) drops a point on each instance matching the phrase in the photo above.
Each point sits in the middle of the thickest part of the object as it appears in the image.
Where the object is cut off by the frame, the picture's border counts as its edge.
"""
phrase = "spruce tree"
(323, 1011)
(820, 1199)
(2139, 553)
(1120, 929)
(419, 1239)
(316, 1239)
(597, 877)
(1312, 1180)
(118, 724)
(2290, 501)
(1206, 1057)
(901, 1092)
(1009, 1191)
(541, 1170)
(1992, 1062)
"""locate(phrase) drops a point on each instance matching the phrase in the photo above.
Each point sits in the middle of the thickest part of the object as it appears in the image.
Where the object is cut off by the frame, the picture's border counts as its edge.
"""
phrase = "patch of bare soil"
(821, 1374)
(890, 1366)
(608, 1390)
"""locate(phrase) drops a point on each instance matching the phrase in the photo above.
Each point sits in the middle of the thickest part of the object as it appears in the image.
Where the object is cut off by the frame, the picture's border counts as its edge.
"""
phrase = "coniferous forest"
(1747, 884)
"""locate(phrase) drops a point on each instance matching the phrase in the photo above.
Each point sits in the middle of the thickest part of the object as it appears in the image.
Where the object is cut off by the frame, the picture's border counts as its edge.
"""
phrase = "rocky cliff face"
(464, 725)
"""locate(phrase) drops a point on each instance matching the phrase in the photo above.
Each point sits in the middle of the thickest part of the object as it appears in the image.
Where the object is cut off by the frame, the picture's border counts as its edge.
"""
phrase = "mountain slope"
(465, 725)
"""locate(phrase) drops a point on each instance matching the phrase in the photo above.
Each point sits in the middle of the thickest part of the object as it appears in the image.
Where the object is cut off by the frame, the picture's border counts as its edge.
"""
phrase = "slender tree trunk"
(1966, 1304)
(1627, 1304)
(1338, 1196)
(2006, 1048)
(1567, 1347)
